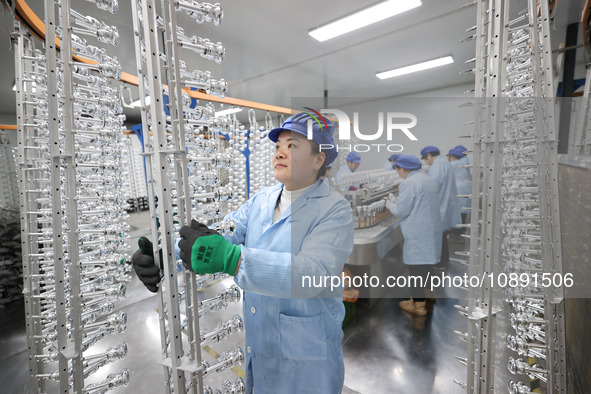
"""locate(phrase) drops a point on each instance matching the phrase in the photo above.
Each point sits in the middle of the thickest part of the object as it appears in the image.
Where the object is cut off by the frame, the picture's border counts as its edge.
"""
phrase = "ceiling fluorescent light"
(363, 18)
(227, 111)
(416, 67)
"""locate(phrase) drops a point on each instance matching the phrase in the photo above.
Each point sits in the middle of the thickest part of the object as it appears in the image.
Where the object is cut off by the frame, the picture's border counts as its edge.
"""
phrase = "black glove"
(144, 267)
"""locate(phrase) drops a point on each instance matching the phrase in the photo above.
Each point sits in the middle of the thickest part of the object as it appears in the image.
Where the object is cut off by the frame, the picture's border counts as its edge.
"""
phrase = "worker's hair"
(434, 154)
(316, 151)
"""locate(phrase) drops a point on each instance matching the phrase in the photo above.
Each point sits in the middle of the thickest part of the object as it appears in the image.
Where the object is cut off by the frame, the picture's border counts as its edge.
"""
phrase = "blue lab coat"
(344, 169)
(443, 175)
(293, 345)
(418, 206)
(463, 187)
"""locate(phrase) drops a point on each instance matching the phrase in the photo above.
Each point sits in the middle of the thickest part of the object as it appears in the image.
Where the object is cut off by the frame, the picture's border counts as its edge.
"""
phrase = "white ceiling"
(270, 58)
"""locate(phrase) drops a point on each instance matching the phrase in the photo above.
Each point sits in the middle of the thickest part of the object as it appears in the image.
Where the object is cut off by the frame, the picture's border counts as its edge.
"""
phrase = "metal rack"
(184, 160)
(581, 143)
(133, 160)
(8, 188)
(515, 226)
(261, 154)
(72, 205)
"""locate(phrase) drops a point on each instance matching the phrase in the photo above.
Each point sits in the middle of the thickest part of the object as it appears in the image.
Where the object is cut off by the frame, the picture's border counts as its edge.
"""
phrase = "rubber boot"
(416, 308)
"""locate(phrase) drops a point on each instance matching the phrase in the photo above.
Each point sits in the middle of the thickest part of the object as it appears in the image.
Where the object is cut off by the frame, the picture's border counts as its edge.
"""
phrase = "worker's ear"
(319, 160)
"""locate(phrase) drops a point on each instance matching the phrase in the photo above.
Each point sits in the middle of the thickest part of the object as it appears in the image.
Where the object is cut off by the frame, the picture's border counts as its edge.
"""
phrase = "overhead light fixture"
(137, 103)
(363, 18)
(415, 67)
(227, 111)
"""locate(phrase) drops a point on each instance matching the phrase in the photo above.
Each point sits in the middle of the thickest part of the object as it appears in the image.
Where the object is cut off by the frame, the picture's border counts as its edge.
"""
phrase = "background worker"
(442, 173)
(418, 207)
(390, 163)
(297, 227)
(353, 161)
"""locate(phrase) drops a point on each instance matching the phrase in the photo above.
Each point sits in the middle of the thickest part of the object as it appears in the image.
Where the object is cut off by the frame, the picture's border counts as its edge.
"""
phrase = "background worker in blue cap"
(353, 160)
(418, 206)
(298, 227)
(442, 173)
(458, 159)
(390, 163)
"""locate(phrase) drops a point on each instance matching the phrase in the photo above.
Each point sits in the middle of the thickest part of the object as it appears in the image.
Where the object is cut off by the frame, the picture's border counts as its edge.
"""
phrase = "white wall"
(440, 120)
(7, 118)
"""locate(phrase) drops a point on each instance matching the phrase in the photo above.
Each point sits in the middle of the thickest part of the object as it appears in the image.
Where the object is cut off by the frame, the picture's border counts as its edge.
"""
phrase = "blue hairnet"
(456, 152)
(408, 162)
(428, 149)
(394, 157)
(320, 134)
(354, 157)
(461, 149)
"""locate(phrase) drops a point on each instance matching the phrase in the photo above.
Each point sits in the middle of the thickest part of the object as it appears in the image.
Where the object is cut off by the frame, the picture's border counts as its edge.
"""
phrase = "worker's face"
(353, 166)
(429, 159)
(451, 158)
(294, 164)
(402, 172)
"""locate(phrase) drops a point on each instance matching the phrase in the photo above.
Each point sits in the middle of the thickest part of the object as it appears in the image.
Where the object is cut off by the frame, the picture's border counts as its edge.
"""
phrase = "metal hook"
(124, 89)
(268, 121)
(252, 119)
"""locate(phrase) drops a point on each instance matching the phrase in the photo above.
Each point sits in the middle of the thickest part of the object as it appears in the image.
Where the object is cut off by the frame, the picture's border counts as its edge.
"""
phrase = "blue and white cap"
(322, 130)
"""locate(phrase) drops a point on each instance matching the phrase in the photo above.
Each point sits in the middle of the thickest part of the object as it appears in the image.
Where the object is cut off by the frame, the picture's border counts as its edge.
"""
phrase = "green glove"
(205, 251)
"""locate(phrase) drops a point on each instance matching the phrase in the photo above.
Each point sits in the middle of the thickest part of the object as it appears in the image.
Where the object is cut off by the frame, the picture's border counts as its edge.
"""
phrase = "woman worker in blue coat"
(442, 173)
(353, 161)
(390, 163)
(297, 228)
(418, 206)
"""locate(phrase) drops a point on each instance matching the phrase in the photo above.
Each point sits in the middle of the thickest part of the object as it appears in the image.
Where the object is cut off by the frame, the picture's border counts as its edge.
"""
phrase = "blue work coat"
(463, 187)
(443, 175)
(293, 345)
(418, 207)
(344, 169)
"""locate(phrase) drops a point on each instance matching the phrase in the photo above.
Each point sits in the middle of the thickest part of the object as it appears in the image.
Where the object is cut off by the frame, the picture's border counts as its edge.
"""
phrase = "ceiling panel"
(270, 58)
